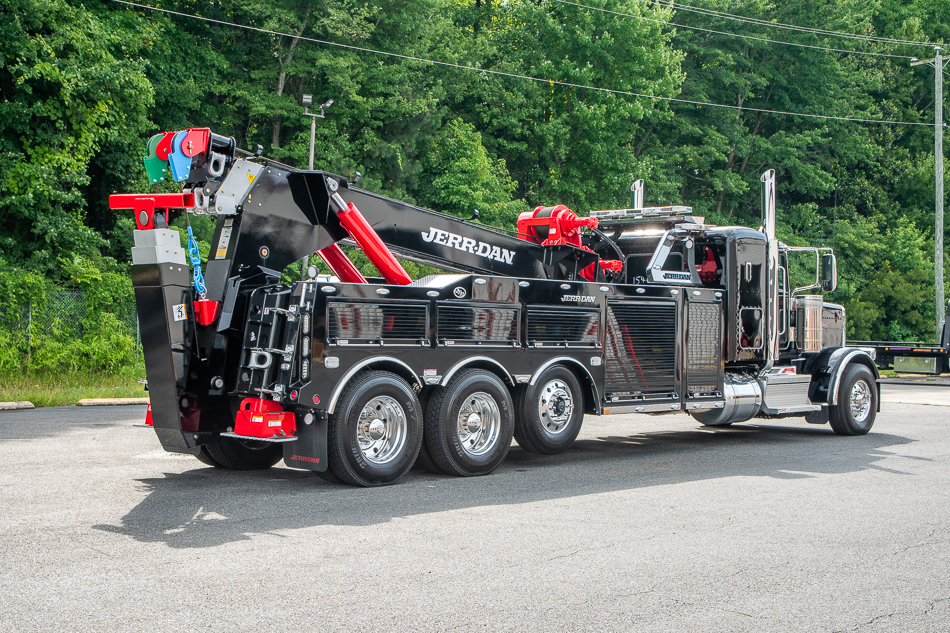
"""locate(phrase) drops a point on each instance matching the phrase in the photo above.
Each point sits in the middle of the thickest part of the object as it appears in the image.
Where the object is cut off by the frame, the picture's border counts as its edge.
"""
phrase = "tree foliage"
(84, 84)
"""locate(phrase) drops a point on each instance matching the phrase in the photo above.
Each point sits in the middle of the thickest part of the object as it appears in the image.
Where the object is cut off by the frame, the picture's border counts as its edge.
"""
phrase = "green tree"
(72, 89)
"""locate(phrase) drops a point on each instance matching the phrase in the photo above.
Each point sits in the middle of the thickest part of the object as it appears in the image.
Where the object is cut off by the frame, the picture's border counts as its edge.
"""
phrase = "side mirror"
(829, 272)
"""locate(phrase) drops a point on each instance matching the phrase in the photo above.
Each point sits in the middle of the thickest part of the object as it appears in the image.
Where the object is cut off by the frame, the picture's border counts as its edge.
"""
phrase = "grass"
(57, 391)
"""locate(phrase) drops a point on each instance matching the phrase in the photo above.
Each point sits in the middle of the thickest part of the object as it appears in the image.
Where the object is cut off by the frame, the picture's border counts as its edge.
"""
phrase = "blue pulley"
(179, 163)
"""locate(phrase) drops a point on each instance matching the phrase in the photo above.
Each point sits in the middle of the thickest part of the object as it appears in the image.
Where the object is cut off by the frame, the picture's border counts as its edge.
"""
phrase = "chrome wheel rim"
(382, 430)
(860, 401)
(479, 424)
(555, 406)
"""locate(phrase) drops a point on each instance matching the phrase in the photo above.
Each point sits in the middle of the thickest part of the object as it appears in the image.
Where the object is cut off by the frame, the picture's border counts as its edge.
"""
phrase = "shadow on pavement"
(205, 507)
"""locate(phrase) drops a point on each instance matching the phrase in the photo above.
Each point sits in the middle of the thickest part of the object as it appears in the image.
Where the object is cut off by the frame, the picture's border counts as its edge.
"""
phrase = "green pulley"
(155, 167)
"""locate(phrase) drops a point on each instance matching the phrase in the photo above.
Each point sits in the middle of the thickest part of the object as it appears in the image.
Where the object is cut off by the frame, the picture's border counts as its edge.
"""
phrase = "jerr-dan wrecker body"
(640, 310)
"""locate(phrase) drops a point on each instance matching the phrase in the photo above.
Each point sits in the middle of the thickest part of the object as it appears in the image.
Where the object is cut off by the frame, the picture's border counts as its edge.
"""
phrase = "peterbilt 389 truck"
(638, 310)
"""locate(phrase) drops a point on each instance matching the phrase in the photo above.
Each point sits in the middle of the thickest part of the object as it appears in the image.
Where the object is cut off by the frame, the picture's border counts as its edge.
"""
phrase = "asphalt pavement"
(647, 524)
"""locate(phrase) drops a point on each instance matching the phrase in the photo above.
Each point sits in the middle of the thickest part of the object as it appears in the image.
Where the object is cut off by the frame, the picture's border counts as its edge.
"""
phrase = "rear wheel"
(469, 424)
(205, 458)
(238, 454)
(375, 434)
(424, 460)
(549, 413)
(857, 402)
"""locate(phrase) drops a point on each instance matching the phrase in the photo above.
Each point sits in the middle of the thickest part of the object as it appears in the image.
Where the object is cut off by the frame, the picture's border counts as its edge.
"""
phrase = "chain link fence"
(65, 312)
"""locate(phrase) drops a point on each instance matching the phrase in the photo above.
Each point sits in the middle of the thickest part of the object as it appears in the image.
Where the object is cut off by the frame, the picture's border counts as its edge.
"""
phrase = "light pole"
(938, 64)
(306, 101)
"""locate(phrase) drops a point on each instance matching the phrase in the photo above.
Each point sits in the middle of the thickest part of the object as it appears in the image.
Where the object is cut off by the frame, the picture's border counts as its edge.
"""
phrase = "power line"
(790, 27)
(748, 37)
(517, 76)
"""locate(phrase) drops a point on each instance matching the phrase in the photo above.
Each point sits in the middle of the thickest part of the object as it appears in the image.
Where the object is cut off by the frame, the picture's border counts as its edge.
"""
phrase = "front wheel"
(375, 434)
(857, 402)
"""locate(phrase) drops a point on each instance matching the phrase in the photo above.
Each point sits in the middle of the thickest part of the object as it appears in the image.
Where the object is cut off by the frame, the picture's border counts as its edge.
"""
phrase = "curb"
(101, 402)
(11, 406)
(916, 383)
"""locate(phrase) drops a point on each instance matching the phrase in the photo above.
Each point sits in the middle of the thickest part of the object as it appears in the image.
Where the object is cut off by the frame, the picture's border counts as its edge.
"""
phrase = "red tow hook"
(206, 311)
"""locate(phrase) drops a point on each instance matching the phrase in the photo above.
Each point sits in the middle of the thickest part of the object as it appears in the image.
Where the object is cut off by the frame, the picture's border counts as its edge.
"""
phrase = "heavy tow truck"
(639, 310)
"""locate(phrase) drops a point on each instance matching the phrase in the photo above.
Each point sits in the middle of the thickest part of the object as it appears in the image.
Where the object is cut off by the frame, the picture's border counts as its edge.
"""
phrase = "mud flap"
(818, 417)
(309, 452)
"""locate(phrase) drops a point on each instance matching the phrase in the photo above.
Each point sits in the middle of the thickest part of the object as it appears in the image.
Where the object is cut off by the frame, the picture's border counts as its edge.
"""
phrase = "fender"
(472, 359)
(596, 404)
(827, 368)
(366, 362)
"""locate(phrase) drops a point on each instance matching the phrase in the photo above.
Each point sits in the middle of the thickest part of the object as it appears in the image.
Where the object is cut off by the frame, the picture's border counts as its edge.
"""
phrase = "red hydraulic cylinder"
(377, 251)
(341, 265)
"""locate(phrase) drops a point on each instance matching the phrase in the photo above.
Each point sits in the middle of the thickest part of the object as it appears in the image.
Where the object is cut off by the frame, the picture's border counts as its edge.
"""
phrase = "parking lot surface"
(647, 524)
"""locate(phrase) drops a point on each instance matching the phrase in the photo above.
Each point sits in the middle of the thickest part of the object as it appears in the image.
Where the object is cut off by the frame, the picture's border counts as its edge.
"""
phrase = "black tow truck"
(639, 310)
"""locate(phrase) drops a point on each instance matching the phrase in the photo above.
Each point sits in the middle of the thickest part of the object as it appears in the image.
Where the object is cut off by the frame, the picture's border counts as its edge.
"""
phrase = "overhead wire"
(525, 77)
(779, 25)
(740, 35)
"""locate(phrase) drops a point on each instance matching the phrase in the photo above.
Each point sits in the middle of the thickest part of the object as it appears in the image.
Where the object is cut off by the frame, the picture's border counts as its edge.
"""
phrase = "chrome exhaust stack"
(768, 228)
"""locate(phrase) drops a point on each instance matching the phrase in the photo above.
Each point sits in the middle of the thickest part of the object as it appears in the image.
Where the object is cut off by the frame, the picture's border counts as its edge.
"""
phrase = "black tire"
(549, 413)
(390, 441)
(328, 476)
(857, 402)
(477, 448)
(424, 460)
(235, 454)
(205, 458)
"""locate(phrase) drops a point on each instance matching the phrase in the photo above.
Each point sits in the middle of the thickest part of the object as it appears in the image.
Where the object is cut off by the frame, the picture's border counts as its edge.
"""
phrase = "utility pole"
(306, 101)
(938, 64)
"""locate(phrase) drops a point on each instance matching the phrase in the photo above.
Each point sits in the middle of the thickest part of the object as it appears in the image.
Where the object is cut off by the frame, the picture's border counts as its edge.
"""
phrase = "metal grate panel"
(481, 325)
(371, 322)
(703, 345)
(558, 326)
(641, 347)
